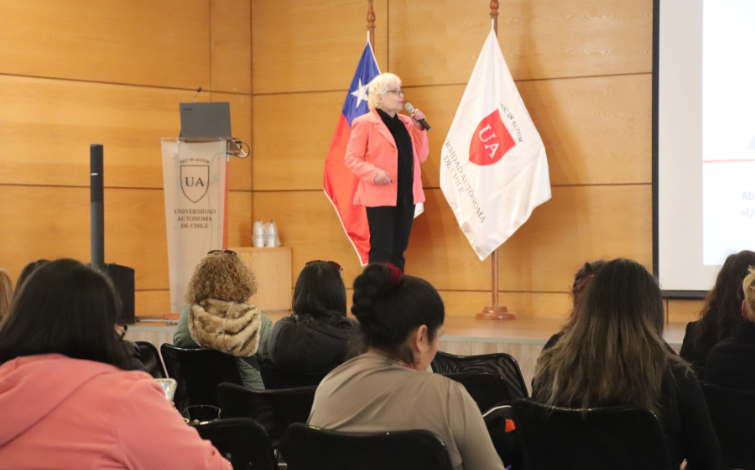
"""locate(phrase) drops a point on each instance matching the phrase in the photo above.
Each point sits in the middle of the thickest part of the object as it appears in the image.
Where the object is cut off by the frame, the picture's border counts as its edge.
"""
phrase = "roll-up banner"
(194, 177)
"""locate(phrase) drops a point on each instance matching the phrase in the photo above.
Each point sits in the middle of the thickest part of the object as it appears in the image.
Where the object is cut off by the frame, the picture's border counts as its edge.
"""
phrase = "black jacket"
(696, 357)
(731, 363)
(684, 418)
(302, 343)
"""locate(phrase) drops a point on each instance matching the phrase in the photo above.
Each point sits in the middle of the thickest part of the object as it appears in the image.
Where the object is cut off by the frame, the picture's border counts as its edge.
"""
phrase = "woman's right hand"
(382, 178)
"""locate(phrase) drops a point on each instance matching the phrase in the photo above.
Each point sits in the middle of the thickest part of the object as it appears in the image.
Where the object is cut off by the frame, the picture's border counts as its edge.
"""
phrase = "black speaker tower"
(122, 276)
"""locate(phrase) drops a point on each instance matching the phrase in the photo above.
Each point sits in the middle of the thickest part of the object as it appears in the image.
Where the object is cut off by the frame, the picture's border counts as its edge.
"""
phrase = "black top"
(695, 356)
(731, 363)
(302, 343)
(684, 418)
(405, 157)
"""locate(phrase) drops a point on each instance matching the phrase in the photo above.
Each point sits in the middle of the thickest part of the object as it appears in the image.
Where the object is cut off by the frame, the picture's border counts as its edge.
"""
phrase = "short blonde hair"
(6, 293)
(221, 276)
(749, 287)
(379, 86)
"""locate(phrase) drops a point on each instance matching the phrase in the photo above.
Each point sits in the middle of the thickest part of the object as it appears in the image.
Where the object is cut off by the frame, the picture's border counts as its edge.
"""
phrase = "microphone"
(195, 96)
(424, 123)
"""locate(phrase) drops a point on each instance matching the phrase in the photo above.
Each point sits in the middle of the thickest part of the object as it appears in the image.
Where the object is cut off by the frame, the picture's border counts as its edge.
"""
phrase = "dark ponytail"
(390, 307)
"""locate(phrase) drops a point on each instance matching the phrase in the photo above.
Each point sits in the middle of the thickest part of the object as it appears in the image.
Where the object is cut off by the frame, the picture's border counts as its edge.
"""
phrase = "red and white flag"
(494, 171)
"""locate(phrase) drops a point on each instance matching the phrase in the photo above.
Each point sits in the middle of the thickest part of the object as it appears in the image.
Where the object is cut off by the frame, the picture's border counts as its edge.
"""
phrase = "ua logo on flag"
(491, 141)
(194, 181)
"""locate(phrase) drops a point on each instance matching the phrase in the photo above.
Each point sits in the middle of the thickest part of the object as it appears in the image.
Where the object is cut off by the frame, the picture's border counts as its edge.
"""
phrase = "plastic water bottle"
(258, 234)
(271, 235)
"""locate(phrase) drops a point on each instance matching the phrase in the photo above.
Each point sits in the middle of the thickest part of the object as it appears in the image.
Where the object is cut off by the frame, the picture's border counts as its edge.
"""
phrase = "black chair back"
(276, 378)
(150, 358)
(198, 372)
(242, 441)
(500, 364)
(733, 415)
(487, 389)
(275, 410)
(619, 438)
(310, 448)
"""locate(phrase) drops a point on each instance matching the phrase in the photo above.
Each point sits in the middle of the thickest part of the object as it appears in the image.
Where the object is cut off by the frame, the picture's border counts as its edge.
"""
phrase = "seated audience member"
(721, 314)
(217, 316)
(66, 402)
(731, 363)
(26, 272)
(6, 293)
(315, 338)
(135, 358)
(613, 353)
(389, 388)
(581, 280)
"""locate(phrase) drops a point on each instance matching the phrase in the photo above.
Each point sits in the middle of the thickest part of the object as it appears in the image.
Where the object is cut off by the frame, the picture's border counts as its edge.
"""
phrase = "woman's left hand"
(417, 116)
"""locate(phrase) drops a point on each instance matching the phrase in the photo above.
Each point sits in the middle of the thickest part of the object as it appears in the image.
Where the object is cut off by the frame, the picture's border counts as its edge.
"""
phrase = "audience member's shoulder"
(692, 327)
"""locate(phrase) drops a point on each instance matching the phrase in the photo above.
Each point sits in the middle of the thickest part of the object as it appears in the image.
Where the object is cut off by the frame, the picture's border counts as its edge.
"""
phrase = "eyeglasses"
(228, 252)
(332, 263)
(397, 92)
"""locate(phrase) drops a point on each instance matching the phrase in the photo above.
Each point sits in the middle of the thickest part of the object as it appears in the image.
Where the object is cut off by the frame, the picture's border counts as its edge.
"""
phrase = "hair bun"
(368, 288)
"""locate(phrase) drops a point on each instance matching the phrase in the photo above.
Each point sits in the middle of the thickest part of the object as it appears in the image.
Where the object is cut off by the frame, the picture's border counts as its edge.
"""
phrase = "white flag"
(493, 166)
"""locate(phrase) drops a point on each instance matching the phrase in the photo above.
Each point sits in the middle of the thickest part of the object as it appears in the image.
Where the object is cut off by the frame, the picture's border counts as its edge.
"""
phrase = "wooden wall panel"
(290, 147)
(576, 119)
(162, 43)
(46, 127)
(231, 46)
(596, 130)
(308, 223)
(301, 45)
(53, 222)
(524, 304)
(579, 223)
(152, 303)
(241, 127)
(240, 218)
(438, 42)
(684, 310)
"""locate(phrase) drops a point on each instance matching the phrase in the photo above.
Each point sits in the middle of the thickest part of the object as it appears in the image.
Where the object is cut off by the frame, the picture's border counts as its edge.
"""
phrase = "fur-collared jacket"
(183, 338)
(227, 327)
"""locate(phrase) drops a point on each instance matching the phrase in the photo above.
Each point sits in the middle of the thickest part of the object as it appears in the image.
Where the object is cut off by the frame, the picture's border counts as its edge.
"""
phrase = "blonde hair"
(379, 86)
(748, 285)
(6, 293)
(221, 276)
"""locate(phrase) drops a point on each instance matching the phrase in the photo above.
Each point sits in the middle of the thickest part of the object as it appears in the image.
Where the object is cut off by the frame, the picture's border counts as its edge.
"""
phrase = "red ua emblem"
(491, 140)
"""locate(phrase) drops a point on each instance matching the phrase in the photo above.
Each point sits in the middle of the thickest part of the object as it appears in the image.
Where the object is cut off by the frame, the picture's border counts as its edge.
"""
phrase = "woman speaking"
(384, 152)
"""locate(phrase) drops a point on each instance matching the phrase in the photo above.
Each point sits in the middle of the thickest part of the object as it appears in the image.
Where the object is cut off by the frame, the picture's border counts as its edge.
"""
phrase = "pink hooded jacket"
(62, 413)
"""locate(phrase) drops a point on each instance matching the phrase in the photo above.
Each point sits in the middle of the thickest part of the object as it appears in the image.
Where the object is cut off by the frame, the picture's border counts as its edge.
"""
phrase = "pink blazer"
(371, 149)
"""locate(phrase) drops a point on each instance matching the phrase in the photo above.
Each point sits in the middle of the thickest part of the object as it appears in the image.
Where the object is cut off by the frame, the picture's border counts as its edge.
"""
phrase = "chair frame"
(392, 450)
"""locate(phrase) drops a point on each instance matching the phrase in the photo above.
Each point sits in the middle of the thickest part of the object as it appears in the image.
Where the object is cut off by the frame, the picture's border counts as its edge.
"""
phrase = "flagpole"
(371, 25)
(495, 311)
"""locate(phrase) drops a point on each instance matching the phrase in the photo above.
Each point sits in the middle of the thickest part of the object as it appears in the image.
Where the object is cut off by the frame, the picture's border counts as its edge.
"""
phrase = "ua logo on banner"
(194, 181)
(491, 140)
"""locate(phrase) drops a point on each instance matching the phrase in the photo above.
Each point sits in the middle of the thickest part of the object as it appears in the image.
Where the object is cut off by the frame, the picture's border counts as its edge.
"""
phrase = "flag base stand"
(495, 312)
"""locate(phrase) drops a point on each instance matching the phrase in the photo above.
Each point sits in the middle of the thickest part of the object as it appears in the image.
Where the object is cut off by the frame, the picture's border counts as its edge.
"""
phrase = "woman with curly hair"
(721, 314)
(218, 317)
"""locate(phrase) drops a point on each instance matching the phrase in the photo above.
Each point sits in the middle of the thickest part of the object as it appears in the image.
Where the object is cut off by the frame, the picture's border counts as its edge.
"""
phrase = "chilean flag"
(339, 183)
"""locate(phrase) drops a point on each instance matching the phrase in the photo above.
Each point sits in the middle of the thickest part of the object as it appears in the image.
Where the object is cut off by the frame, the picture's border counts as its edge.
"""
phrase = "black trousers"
(389, 232)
